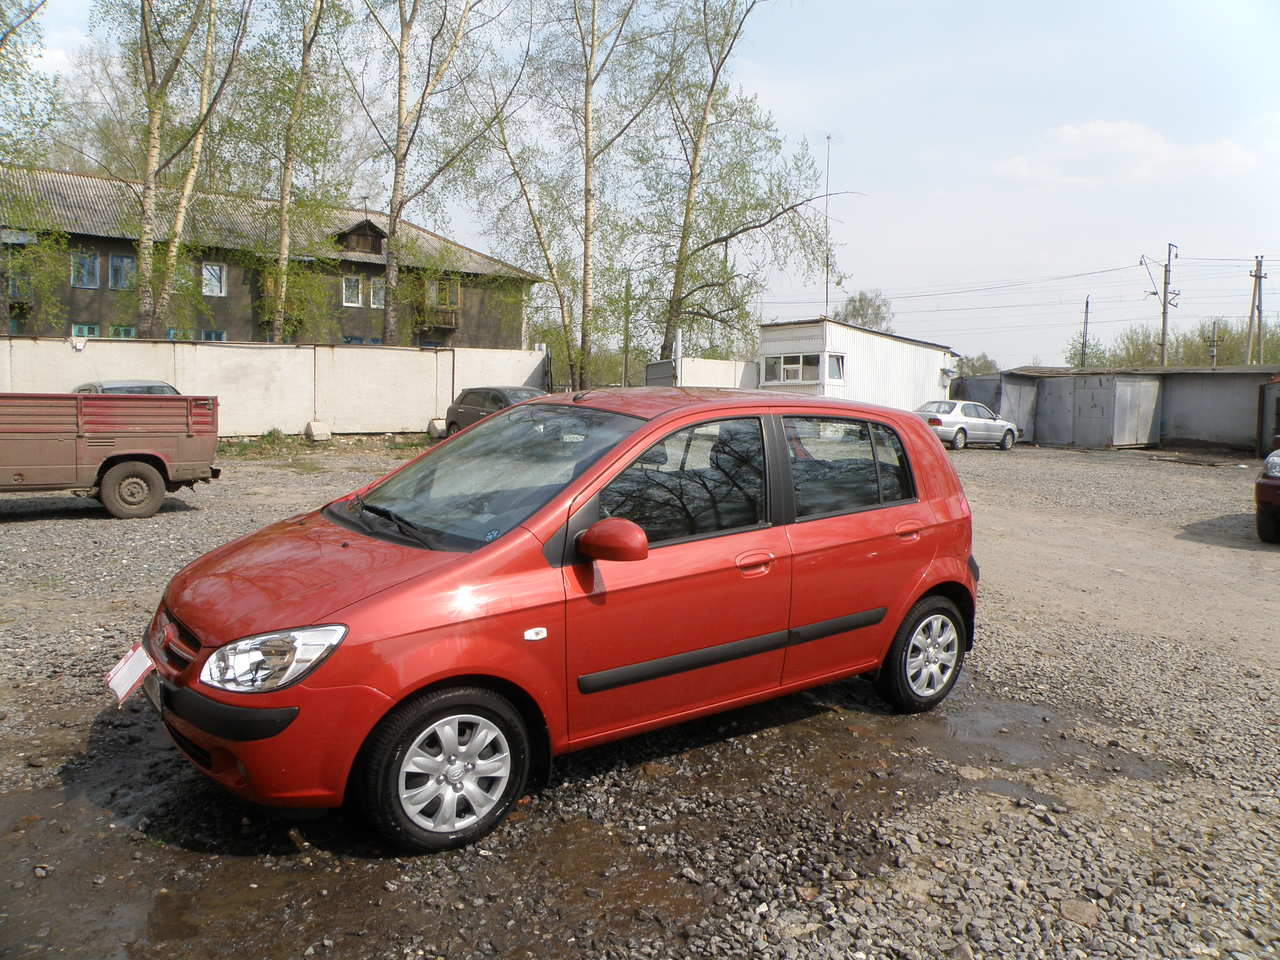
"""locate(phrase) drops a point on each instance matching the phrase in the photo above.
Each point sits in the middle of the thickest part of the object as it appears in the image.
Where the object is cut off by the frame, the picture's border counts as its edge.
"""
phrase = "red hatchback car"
(566, 572)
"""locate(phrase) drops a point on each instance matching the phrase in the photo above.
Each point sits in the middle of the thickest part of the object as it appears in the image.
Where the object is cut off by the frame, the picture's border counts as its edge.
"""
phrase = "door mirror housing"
(614, 538)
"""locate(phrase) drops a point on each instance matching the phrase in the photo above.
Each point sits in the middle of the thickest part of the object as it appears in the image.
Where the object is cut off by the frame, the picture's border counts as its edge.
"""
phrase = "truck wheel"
(132, 489)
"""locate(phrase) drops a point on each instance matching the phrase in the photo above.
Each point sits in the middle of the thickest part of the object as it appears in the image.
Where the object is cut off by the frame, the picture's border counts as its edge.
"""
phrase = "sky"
(1004, 160)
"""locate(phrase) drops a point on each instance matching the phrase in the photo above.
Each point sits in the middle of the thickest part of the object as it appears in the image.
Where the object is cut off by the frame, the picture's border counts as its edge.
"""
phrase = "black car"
(478, 402)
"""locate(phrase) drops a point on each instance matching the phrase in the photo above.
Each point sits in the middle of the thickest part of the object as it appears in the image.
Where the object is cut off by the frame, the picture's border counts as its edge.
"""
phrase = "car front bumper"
(1267, 492)
(298, 754)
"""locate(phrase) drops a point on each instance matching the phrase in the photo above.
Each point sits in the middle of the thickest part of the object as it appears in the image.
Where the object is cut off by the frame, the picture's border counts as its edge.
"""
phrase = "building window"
(19, 285)
(213, 279)
(84, 330)
(792, 368)
(121, 272)
(123, 333)
(84, 270)
(447, 294)
(353, 340)
(351, 291)
(378, 292)
(177, 334)
(376, 340)
(213, 336)
(835, 366)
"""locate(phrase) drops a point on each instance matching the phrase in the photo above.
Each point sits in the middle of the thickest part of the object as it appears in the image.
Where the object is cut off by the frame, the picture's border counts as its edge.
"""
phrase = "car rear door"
(978, 422)
(860, 543)
(703, 619)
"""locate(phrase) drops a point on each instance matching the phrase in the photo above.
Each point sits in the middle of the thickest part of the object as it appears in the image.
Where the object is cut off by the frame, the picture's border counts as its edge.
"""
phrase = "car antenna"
(580, 395)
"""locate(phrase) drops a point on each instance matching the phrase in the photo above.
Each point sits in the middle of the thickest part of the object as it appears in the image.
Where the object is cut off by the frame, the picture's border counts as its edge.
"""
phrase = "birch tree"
(27, 97)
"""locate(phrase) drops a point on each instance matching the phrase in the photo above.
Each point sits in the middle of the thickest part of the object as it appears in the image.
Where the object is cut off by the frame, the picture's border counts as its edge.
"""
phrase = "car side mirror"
(614, 538)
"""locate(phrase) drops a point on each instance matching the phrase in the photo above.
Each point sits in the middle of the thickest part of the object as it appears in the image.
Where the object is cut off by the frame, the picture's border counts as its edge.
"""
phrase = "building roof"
(89, 205)
(1263, 368)
(854, 326)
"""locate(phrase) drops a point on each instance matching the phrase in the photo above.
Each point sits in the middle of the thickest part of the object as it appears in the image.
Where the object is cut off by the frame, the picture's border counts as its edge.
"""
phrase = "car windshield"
(936, 406)
(480, 485)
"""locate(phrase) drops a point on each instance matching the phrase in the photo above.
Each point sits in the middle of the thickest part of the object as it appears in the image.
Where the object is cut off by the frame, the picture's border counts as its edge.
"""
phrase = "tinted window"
(971, 410)
(466, 398)
(842, 465)
(493, 400)
(703, 479)
(832, 465)
(895, 471)
(484, 482)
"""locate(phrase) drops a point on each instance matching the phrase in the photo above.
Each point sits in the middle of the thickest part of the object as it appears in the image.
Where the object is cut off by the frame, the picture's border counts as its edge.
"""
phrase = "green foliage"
(1094, 355)
(977, 366)
(39, 274)
(1139, 345)
(867, 308)
(28, 98)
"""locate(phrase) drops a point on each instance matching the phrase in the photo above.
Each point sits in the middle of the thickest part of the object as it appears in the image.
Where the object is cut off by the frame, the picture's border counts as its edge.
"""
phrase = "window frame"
(798, 366)
(359, 301)
(218, 336)
(222, 278)
(97, 330)
(120, 258)
(378, 285)
(839, 359)
(789, 483)
(117, 331)
(771, 505)
(79, 257)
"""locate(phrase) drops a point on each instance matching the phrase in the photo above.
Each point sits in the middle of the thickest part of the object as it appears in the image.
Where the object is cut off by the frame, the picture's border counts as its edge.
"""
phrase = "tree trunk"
(309, 32)
(588, 200)
(147, 228)
(189, 181)
(399, 164)
(676, 302)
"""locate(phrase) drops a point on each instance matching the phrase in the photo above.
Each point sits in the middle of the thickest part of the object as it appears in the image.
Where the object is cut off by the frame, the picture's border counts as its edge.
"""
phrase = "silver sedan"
(959, 423)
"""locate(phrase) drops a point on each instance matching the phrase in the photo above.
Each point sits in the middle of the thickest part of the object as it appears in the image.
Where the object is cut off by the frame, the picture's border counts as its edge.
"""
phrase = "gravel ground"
(1102, 783)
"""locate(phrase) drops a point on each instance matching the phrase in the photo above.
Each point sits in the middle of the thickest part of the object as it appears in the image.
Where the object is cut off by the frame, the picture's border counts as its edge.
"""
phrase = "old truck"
(126, 450)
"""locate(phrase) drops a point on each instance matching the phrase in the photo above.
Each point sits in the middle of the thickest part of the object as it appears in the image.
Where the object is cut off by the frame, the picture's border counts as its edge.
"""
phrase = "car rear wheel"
(1269, 525)
(132, 490)
(925, 659)
(959, 439)
(1006, 442)
(443, 770)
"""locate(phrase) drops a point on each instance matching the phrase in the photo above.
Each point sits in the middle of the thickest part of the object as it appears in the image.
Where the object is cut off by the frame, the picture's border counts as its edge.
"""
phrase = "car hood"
(293, 573)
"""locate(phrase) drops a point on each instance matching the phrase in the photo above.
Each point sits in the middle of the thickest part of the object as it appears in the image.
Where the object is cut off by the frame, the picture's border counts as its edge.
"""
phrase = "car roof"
(649, 403)
(125, 383)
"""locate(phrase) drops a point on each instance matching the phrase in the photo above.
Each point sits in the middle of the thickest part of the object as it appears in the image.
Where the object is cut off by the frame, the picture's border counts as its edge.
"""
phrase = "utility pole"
(826, 216)
(1164, 306)
(1084, 340)
(1213, 346)
(1253, 309)
(1258, 277)
(626, 331)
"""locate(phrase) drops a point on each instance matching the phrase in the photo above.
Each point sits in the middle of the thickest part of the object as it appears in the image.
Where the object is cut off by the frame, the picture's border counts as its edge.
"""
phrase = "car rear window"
(937, 406)
(839, 465)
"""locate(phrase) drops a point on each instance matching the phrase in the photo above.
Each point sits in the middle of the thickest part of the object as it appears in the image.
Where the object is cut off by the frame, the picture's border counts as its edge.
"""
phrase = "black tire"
(451, 430)
(132, 490)
(410, 726)
(1008, 440)
(1269, 525)
(894, 681)
(959, 439)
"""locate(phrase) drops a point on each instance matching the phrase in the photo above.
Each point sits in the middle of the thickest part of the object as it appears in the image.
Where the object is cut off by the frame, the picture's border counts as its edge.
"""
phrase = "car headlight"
(270, 661)
(1272, 467)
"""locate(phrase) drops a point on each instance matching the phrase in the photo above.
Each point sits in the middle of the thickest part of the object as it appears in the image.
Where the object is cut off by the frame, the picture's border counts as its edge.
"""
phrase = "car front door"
(703, 619)
(979, 427)
(860, 543)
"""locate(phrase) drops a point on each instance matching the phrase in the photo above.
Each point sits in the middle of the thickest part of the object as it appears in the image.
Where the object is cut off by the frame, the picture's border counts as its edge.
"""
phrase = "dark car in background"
(478, 402)
(1266, 494)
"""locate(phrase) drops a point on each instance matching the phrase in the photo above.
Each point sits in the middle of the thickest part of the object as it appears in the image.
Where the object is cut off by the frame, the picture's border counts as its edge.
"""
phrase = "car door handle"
(908, 530)
(756, 563)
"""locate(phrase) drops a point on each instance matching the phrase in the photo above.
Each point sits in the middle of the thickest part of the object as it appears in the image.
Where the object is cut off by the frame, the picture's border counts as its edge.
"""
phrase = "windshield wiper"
(405, 526)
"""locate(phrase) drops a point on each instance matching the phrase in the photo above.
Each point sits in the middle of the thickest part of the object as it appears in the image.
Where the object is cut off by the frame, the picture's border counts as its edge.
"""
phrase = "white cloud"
(1110, 151)
(62, 43)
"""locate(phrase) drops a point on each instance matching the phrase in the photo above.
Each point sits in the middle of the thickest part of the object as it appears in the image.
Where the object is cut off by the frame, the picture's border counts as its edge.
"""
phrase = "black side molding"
(223, 720)
(973, 568)
(724, 652)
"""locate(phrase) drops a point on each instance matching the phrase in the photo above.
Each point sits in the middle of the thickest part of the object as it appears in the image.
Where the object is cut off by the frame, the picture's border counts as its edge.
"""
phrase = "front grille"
(180, 652)
(196, 753)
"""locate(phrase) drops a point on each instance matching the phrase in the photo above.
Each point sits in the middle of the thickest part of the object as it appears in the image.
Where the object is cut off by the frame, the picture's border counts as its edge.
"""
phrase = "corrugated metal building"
(827, 358)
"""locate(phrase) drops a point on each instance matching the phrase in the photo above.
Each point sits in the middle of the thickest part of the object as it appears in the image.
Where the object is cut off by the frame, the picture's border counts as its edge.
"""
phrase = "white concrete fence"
(261, 386)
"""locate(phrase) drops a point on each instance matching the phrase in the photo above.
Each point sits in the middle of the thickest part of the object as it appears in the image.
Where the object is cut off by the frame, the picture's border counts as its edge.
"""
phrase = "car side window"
(891, 460)
(839, 466)
(971, 410)
(704, 479)
(493, 401)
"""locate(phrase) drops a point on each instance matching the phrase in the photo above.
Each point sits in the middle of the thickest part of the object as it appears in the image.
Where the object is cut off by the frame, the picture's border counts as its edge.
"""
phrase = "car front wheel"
(443, 770)
(959, 439)
(925, 659)
(1006, 442)
(1269, 525)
